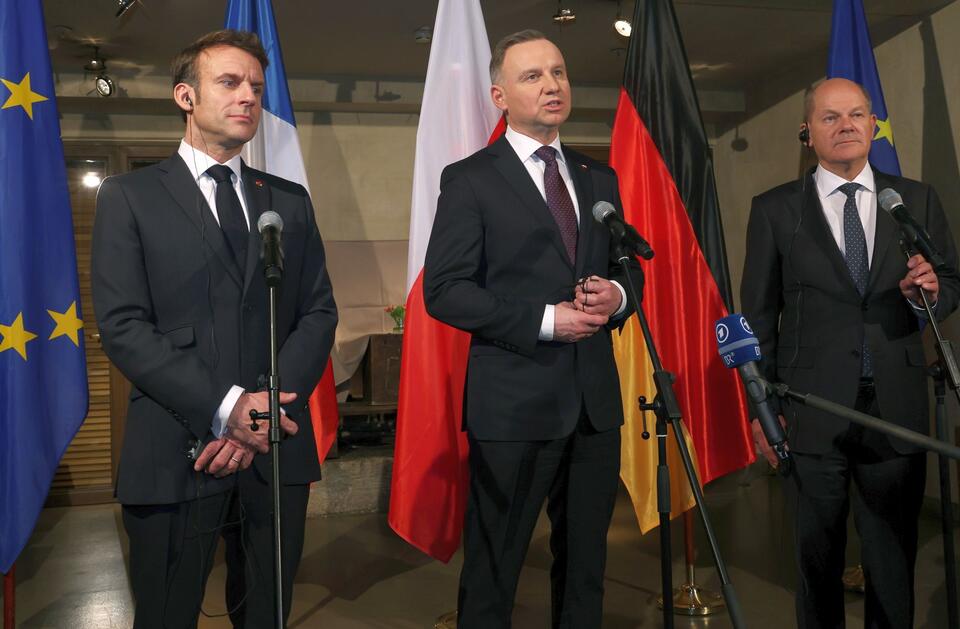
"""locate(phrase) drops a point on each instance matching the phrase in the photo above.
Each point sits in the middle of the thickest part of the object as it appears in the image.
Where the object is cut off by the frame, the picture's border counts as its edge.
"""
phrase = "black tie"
(558, 200)
(855, 255)
(230, 212)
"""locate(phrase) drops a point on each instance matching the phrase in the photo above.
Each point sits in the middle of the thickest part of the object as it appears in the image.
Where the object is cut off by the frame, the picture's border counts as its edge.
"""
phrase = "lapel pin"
(583, 166)
(258, 183)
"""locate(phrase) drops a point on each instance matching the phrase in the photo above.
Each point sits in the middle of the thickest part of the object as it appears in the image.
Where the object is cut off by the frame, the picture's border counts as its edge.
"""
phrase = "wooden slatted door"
(86, 470)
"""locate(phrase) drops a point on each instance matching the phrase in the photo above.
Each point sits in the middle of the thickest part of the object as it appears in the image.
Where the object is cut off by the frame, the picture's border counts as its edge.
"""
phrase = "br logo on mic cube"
(736, 341)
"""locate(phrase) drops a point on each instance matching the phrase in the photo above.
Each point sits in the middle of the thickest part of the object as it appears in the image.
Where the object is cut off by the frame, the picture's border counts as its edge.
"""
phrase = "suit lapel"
(179, 183)
(887, 232)
(520, 182)
(258, 198)
(821, 234)
(583, 184)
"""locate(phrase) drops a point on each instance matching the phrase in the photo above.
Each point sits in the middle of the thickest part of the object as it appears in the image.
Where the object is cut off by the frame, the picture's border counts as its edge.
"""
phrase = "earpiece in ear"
(804, 135)
(188, 101)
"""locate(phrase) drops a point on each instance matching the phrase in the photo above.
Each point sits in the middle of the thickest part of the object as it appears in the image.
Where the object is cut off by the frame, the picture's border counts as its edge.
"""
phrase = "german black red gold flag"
(660, 152)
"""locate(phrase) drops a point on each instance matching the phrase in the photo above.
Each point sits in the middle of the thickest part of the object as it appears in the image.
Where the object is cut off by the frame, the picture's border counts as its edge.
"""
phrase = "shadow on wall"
(939, 159)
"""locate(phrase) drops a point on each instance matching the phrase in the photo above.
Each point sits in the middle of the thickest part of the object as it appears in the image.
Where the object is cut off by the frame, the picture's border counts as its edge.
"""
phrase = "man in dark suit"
(512, 235)
(836, 306)
(181, 303)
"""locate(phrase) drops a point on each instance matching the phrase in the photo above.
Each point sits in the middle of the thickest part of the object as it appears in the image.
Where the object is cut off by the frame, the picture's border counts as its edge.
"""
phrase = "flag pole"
(9, 598)
(689, 599)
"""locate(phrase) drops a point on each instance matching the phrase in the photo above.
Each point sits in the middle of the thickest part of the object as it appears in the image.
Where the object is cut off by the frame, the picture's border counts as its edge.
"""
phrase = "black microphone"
(740, 348)
(270, 226)
(605, 213)
(914, 233)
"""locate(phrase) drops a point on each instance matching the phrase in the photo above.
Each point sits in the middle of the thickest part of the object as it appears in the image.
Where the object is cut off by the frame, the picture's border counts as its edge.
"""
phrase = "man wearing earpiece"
(181, 304)
(836, 306)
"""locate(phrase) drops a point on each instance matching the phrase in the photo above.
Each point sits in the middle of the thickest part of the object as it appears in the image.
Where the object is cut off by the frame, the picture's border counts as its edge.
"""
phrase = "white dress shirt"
(197, 163)
(525, 147)
(832, 201)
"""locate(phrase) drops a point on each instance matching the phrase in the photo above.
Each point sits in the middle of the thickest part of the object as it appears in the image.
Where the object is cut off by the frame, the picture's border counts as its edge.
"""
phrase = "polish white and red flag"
(457, 118)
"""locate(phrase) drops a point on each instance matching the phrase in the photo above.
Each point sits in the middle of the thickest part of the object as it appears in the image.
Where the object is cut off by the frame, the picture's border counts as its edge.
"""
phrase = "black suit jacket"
(798, 295)
(183, 324)
(495, 259)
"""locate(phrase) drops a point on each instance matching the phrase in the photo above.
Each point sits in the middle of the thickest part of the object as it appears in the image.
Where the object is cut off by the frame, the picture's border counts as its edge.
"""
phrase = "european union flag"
(43, 376)
(851, 57)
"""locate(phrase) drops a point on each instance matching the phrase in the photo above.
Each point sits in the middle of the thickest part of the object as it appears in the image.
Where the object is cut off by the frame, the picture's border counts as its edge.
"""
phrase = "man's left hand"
(224, 456)
(596, 295)
(919, 276)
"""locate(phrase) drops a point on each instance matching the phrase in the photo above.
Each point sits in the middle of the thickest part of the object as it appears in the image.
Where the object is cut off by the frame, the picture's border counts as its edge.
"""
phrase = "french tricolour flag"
(276, 150)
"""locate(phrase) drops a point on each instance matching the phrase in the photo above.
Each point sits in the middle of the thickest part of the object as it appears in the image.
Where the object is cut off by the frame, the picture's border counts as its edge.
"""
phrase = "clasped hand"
(234, 451)
(594, 300)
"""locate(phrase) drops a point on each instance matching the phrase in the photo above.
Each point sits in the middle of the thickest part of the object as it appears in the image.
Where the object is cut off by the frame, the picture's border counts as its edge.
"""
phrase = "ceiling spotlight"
(98, 65)
(564, 15)
(621, 24)
(125, 5)
(423, 35)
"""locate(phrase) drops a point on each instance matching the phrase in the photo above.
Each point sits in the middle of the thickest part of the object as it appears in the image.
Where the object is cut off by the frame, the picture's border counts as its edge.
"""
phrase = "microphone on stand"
(623, 232)
(270, 226)
(914, 233)
(740, 348)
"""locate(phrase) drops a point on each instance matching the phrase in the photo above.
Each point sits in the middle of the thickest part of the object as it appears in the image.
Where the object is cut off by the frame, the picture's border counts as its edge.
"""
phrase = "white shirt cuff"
(623, 300)
(219, 425)
(546, 326)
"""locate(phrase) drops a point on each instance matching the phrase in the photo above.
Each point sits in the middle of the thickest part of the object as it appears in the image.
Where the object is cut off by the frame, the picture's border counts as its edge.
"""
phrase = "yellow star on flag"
(67, 324)
(22, 95)
(15, 337)
(884, 130)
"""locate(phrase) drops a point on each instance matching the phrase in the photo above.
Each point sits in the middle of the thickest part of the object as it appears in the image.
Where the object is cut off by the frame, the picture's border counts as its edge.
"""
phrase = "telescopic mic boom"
(740, 348)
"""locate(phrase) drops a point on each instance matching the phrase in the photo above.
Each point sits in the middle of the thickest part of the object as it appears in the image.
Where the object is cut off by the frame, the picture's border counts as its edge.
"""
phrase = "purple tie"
(558, 200)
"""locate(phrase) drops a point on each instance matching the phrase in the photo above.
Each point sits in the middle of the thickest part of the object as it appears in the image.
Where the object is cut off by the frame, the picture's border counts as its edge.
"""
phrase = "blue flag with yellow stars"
(851, 57)
(43, 376)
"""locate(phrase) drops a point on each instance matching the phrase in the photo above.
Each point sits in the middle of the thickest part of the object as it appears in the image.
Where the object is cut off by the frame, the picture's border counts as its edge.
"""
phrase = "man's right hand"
(760, 441)
(571, 325)
(238, 424)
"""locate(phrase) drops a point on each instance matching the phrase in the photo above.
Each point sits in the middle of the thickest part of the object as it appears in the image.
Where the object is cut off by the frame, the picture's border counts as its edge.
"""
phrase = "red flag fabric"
(324, 414)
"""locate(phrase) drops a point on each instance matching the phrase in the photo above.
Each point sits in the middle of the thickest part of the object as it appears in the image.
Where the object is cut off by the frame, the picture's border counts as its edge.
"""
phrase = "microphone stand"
(943, 371)
(273, 275)
(667, 409)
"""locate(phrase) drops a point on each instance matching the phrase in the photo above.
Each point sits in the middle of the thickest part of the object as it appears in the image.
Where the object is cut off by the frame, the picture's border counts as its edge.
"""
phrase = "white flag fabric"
(457, 115)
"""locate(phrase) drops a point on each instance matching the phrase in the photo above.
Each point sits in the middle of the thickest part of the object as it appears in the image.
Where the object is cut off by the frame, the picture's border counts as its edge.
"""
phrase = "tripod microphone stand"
(667, 409)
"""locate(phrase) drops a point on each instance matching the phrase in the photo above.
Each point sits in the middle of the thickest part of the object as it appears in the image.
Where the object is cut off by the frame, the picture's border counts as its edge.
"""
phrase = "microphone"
(740, 348)
(916, 236)
(625, 234)
(270, 226)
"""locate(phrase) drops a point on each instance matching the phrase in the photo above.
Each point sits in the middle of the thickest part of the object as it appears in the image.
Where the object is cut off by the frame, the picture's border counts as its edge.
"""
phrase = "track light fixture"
(564, 15)
(621, 24)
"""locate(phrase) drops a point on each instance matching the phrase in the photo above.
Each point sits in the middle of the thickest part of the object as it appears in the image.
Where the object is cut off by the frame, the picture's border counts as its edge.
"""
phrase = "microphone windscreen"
(736, 341)
(889, 199)
(603, 209)
(270, 219)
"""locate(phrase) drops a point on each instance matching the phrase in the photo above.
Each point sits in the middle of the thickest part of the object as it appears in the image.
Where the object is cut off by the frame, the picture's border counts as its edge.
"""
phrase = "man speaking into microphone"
(836, 306)
(181, 302)
(515, 259)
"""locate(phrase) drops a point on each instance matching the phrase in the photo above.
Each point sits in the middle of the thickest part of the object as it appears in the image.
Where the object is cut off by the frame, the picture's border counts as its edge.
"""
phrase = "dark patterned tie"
(558, 200)
(230, 212)
(855, 255)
